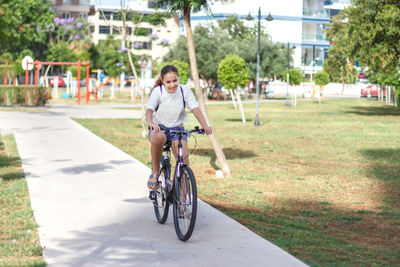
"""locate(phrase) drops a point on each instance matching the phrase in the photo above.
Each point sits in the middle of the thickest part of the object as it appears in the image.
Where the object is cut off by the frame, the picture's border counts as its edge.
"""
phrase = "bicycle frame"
(179, 163)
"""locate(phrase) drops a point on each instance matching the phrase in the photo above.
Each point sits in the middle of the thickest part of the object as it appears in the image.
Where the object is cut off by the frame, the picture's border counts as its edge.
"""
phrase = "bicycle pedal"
(152, 195)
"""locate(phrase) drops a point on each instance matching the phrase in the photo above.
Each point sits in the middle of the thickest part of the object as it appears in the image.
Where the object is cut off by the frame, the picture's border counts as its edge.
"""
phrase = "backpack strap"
(161, 93)
(183, 97)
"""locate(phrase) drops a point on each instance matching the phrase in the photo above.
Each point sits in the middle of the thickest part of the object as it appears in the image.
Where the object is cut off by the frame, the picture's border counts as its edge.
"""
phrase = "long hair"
(166, 69)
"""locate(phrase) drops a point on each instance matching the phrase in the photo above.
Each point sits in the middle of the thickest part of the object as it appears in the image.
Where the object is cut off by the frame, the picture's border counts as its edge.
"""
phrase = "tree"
(22, 23)
(339, 64)
(183, 69)
(369, 32)
(185, 7)
(212, 45)
(295, 76)
(233, 73)
(273, 57)
(234, 27)
(321, 78)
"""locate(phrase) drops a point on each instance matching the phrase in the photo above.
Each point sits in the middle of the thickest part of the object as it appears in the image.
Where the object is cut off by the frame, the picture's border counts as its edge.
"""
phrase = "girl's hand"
(208, 130)
(154, 127)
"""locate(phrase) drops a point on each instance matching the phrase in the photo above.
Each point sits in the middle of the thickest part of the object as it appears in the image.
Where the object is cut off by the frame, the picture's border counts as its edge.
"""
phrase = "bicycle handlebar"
(184, 132)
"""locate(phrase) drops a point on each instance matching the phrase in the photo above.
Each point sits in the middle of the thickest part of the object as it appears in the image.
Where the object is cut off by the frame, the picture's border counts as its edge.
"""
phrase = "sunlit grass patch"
(19, 241)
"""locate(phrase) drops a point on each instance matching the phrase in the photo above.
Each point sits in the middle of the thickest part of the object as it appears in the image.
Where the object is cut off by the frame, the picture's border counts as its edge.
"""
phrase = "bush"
(25, 96)
(321, 78)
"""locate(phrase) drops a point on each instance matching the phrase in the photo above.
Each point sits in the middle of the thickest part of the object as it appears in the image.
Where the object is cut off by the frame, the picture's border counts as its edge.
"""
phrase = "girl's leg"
(157, 140)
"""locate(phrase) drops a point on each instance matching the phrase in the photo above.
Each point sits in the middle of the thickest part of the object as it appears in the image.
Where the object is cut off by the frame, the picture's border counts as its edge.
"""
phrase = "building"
(149, 40)
(299, 23)
(71, 8)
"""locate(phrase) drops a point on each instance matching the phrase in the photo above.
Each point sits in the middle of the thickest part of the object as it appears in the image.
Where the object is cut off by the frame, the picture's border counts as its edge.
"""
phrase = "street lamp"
(268, 18)
(287, 73)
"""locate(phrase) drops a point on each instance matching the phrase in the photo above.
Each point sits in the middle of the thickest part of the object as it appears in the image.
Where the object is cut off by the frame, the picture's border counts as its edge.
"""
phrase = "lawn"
(19, 241)
(320, 181)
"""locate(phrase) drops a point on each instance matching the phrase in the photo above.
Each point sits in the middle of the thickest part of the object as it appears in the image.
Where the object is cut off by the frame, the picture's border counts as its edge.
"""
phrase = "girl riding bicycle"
(166, 106)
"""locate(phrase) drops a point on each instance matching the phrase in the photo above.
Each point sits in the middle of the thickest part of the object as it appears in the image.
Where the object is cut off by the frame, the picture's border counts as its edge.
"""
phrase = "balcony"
(315, 13)
(314, 37)
(309, 62)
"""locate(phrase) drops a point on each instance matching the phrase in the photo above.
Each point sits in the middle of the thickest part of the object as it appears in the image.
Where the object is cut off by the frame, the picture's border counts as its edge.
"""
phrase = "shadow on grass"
(230, 153)
(385, 163)
(12, 176)
(385, 166)
(375, 111)
(6, 161)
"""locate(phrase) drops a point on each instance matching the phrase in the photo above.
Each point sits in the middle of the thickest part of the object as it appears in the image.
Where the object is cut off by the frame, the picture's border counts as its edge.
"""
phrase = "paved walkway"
(90, 201)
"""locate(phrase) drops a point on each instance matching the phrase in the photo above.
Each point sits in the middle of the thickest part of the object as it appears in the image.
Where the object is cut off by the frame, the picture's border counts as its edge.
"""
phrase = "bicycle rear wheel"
(185, 204)
(161, 203)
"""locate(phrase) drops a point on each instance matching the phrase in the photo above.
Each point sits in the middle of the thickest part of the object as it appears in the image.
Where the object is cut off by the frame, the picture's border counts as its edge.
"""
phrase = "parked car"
(60, 81)
(372, 91)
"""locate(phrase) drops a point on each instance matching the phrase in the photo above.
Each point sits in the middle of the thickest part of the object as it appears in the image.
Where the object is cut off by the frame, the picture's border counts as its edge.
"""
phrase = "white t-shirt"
(171, 111)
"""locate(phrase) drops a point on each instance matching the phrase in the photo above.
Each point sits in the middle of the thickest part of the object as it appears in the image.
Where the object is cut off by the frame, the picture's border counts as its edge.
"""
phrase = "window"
(91, 27)
(129, 31)
(142, 45)
(153, 4)
(83, 16)
(116, 31)
(65, 15)
(143, 31)
(66, 2)
(104, 29)
(116, 16)
(107, 15)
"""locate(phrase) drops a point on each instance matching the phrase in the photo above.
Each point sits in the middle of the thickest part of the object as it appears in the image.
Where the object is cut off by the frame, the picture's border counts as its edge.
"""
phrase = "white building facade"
(149, 40)
(300, 23)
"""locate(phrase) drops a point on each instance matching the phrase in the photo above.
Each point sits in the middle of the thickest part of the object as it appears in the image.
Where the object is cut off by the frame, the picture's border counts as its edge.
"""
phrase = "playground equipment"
(38, 64)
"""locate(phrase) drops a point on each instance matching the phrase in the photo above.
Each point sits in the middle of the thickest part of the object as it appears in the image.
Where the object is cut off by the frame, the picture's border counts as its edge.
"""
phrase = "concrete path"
(90, 201)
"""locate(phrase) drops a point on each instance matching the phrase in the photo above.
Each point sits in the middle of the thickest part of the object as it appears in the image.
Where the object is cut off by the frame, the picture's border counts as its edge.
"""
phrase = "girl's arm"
(149, 120)
(200, 117)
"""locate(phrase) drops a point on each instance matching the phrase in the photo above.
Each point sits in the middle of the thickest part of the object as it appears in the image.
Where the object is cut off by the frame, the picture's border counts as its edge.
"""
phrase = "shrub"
(22, 95)
(321, 78)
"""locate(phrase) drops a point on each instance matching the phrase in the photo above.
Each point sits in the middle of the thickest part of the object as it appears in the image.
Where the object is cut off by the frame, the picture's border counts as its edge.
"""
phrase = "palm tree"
(185, 7)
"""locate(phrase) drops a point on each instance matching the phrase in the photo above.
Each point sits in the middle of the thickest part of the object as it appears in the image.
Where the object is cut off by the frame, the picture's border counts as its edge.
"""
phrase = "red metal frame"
(79, 64)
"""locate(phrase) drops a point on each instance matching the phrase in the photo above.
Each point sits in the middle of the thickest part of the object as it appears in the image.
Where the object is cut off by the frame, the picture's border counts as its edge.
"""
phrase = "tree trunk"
(240, 106)
(342, 86)
(46, 81)
(233, 98)
(142, 102)
(195, 76)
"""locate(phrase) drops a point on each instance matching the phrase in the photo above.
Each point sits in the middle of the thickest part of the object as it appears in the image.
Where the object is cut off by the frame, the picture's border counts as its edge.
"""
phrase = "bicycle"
(181, 191)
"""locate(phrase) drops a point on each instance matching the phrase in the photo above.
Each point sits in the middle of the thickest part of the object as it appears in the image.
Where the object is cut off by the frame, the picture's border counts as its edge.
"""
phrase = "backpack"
(183, 97)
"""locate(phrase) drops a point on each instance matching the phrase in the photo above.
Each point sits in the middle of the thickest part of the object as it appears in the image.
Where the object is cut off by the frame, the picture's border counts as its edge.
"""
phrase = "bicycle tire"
(184, 224)
(161, 202)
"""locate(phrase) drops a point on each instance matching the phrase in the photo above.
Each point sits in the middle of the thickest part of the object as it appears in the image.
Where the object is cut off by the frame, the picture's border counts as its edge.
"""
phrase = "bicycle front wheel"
(161, 203)
(185, 204)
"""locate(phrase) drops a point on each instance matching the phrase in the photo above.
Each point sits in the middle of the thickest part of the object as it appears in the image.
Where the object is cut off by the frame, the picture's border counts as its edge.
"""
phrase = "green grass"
(320, 180)
(19, 241)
